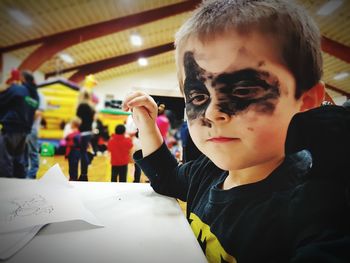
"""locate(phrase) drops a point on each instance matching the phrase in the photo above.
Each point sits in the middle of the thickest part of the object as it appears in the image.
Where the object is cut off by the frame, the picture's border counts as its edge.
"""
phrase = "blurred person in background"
(132, 131)
(32, 138)
(189, 149)
(137, 146)
(163, 122)
(73, 144)
(85, 112)
(17, 110)
(120, 147)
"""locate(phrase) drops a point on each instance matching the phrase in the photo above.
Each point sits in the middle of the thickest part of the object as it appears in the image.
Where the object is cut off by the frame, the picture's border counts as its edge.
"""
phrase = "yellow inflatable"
(90, 82)
(113, 117)
(61, 98)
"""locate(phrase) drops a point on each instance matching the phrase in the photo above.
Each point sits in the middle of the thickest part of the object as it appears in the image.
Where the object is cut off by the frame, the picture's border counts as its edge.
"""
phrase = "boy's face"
(239, 99)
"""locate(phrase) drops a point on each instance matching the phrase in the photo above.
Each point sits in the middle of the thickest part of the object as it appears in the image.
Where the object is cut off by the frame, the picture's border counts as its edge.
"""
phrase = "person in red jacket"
(120, 147)
(73, 140)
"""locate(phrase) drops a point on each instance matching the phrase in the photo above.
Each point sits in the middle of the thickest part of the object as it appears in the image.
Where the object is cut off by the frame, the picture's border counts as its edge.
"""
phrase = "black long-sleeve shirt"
(17, 109)
(299, 213)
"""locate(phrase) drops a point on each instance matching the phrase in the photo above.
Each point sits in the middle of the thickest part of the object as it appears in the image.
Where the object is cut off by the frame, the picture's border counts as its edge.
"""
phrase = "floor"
(99, 170)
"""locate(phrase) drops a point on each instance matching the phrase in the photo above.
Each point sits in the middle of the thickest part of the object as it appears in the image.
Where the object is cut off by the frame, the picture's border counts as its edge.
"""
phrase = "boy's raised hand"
(143, 107)
(144, 112)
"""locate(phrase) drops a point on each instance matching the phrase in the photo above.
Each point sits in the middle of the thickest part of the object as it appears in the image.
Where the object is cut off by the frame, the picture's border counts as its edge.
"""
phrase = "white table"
(140, 226)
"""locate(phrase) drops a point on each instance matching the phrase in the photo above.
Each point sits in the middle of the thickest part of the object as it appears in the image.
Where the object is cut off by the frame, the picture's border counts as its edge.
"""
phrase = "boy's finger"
(130, 97)
(143, 101)
(124, 107)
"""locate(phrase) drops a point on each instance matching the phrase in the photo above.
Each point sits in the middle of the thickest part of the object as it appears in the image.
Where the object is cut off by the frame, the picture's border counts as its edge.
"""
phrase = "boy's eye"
(247, 92)
(198, 98)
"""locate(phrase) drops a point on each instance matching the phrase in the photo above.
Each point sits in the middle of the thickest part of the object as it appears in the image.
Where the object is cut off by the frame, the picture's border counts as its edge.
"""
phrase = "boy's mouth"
(221, 139)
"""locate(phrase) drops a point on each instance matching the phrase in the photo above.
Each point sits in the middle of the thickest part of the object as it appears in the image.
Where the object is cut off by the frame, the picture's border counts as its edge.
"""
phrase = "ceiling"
(96, 34)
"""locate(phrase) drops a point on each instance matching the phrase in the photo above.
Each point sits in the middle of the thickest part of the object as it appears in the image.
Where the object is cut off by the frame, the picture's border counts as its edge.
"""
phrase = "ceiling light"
(136, 40)
(341, 76)
(66, 58)
(329, 7)
(142, 62)
(20, 17)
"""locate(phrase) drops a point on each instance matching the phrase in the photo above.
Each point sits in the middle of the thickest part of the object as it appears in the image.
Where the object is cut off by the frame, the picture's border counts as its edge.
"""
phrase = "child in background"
(73, 141)
(273, 182)
(120, 147)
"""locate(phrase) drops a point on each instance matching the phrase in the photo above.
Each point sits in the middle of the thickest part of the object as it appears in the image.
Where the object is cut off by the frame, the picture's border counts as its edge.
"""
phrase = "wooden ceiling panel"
(153, 62)
(23, 52)
(153, 34)
(335, 26)
(52, 16)
(333, 94)
(332, 67)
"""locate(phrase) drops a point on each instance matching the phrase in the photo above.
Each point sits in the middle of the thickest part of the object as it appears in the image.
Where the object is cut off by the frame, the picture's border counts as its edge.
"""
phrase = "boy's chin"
(226, 164)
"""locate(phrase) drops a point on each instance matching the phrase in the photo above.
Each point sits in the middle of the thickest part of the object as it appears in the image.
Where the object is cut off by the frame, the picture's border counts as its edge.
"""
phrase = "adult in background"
(32, 138)
(17, 110)
(85, 112)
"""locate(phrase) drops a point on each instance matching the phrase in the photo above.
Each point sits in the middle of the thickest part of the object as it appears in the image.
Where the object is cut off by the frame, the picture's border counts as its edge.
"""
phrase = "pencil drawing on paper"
(32, 205)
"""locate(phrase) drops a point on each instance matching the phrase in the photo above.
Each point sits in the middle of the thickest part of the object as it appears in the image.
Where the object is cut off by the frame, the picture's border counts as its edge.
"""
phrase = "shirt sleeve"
(324, 132)
(167, 177)
(42, 102)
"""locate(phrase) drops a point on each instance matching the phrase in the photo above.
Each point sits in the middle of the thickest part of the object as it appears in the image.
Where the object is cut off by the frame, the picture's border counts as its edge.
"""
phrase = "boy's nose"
(214, 114)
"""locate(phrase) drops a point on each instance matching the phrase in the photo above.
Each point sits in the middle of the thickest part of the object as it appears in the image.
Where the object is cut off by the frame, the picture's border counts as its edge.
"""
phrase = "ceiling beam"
(55, 43)
(335, 49)
(109, 63)
(116, 61)
(342, 92)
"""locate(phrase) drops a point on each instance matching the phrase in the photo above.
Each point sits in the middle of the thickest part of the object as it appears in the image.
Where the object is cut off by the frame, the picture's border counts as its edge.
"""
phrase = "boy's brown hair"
(75, 122)
(291, 27)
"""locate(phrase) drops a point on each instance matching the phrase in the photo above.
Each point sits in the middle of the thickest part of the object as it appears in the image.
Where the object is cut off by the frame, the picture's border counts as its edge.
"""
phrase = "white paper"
(12, 242)
(24, 210)
(38, 205)
(56, 177)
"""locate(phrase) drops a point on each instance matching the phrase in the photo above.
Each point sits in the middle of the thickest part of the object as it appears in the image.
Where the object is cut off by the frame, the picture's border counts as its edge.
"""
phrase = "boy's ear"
(313, 97)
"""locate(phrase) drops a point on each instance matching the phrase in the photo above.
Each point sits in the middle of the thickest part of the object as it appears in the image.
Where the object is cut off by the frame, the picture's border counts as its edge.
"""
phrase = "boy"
(120, 148)
(73, 145)
(246, 69)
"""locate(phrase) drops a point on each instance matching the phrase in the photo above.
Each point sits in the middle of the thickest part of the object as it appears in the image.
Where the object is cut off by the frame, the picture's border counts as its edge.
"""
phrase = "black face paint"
(235, 91)
(248, 87)
(195, 90)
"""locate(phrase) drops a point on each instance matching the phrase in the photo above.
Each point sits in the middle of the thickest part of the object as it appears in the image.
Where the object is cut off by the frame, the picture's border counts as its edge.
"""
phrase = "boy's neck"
(250, 175)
